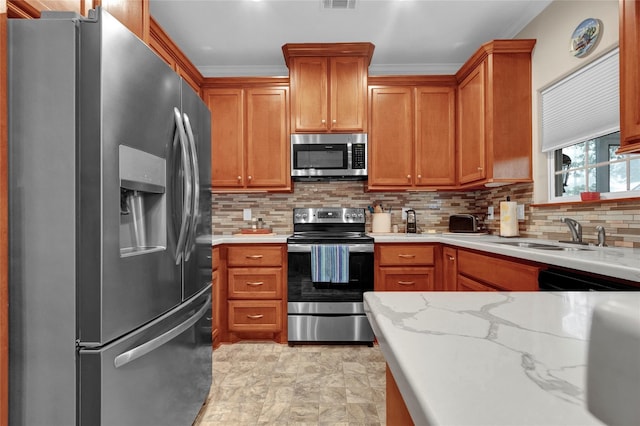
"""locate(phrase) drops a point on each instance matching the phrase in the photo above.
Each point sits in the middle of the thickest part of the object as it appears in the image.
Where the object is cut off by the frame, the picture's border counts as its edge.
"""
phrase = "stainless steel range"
(330, 266)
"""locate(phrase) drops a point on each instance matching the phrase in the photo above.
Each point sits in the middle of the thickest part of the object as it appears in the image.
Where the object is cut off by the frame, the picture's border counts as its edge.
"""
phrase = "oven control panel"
(328, 215)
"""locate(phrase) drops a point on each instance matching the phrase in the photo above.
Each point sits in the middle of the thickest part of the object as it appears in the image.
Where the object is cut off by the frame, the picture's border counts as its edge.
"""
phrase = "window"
(581, 133)
(593, 165)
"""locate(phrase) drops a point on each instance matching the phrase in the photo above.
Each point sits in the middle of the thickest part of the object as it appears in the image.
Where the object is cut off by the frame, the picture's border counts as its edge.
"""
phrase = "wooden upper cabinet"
(471, 126)
(494, 115)
(133, 14)
(411, 137)
(268, 162)
(249, 139)
(391, 137)
(629, 76)
(227, 137)
(32, 8)
(435, 162)
(328, 86)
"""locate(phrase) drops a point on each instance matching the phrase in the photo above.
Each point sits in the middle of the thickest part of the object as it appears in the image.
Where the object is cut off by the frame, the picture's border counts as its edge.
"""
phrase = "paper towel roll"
(381, 222)
(508, 219)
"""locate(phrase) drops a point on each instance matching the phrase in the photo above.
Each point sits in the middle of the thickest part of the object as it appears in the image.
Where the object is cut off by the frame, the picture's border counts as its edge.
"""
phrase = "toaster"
(465, 223)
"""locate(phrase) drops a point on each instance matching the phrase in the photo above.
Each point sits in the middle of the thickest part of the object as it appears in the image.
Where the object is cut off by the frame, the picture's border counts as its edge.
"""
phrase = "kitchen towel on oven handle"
(330, 263)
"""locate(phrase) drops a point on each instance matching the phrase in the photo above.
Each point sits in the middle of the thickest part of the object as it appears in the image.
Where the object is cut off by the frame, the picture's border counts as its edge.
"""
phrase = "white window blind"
(582, 106)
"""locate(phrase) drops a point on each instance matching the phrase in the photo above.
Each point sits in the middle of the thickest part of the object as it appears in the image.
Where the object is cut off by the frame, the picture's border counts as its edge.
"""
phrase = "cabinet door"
(629, 76)
(268, 138)
(348, 94)
(449, 269)
(471, 127)
(391, 137)
(467, 284)
(407, 279)
(226, 106)
(309, 92)
(435, 136)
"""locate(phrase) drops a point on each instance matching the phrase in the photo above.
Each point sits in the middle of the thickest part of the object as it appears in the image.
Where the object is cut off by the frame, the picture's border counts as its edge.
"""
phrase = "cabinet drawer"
(255, 283)
(500, 273)
(407, 279)
(406, 254)
(253, 255)
(255, 315)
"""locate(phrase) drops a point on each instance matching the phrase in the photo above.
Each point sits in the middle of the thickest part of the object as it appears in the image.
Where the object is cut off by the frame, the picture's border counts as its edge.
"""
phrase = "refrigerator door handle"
(196, 188)
(187, 186)
(153, 344)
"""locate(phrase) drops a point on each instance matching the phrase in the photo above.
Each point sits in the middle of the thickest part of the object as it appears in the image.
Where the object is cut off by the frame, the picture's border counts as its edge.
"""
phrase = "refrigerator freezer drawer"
(158, 375)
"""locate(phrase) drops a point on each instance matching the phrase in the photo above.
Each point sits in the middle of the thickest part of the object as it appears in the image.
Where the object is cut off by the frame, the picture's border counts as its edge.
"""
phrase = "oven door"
(301, 287)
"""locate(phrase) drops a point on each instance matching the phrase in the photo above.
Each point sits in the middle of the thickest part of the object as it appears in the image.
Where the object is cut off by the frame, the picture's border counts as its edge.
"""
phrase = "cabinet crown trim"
(495, 46)
(291, 50)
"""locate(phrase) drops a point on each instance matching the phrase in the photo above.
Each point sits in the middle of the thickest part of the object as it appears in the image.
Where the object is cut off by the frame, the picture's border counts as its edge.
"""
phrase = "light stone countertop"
(609, 261)
(485, 358)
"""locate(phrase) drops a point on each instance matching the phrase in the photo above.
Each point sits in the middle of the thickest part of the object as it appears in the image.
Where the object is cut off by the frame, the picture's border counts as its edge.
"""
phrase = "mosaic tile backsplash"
(620, 219)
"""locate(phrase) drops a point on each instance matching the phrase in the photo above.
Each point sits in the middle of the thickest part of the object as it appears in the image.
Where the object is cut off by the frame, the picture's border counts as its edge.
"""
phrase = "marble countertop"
(616, 262)
(484, 358)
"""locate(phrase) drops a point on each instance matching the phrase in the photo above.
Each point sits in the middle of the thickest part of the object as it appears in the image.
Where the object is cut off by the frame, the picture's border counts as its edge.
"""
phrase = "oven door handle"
(353, 248)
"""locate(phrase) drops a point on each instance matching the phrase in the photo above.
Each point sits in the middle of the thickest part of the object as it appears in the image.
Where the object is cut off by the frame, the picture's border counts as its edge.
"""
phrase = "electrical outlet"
(246, 214)
(520, 211)
(490, 213)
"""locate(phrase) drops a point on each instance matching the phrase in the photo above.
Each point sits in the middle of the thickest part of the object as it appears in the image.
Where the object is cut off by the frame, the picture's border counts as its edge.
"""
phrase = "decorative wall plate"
(585, 37)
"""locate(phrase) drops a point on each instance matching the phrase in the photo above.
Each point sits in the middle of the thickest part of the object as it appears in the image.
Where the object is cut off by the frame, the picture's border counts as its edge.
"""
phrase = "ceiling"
(245, 37)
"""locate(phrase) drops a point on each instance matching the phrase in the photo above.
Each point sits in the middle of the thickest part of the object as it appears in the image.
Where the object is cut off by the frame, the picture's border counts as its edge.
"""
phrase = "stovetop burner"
(329, 225)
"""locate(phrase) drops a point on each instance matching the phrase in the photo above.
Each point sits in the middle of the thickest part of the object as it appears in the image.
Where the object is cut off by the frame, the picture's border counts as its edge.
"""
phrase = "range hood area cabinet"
(412, 133)
(629, 77)
(249, 136)
(328, 84)
(494, 115)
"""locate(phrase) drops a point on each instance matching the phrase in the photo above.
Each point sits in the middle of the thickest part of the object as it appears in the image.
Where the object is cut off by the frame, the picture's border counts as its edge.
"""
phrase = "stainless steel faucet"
(574, 227)
(601, 236)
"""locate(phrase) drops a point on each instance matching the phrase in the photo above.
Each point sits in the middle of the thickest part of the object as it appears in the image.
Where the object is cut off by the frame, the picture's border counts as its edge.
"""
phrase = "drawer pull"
(451, 258)
(255, 283)
(254, 256)
(255, 316)
(407, 256)
(406, 282)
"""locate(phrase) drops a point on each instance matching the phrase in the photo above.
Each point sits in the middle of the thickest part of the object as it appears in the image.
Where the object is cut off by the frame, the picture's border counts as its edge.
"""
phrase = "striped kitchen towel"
(330, 263)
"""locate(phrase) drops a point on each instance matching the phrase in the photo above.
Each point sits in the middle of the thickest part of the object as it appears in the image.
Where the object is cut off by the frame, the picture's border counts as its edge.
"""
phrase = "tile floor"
(274, 384)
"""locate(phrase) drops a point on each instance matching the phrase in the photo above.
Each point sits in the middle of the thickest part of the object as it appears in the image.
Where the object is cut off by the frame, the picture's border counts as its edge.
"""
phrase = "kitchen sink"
(542, 246)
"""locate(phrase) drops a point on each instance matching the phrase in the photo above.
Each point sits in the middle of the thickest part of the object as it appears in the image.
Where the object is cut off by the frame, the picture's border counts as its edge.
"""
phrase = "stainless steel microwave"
(329, 156)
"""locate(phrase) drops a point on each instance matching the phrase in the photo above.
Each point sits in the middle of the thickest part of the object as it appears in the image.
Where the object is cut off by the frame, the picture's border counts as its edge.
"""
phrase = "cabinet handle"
(407, 256)
(255, 283)
(239, 178)
(249, 177)
(254, 256)
(406, 282)
(480, 169)
(419, 176)
(323, 121)
(408, 176)
(451, 258)
(255, 316)
(334, 121)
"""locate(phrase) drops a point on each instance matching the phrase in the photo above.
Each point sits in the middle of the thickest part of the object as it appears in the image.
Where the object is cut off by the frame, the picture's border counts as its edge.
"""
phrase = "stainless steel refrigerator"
(110, 249)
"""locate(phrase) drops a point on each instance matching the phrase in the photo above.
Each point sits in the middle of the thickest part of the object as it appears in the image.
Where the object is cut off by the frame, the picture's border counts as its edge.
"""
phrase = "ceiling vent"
(338, 4)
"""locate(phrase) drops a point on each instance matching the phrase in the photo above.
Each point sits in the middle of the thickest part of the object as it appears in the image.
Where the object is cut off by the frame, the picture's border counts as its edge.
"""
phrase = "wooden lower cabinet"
(216, 295)
(255, 292)
(449, 269)
(482, 272)
(407, 267)
(397, 412)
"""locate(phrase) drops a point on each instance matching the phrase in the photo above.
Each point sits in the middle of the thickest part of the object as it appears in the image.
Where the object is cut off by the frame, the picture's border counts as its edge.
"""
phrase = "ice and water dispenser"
(142, 202)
